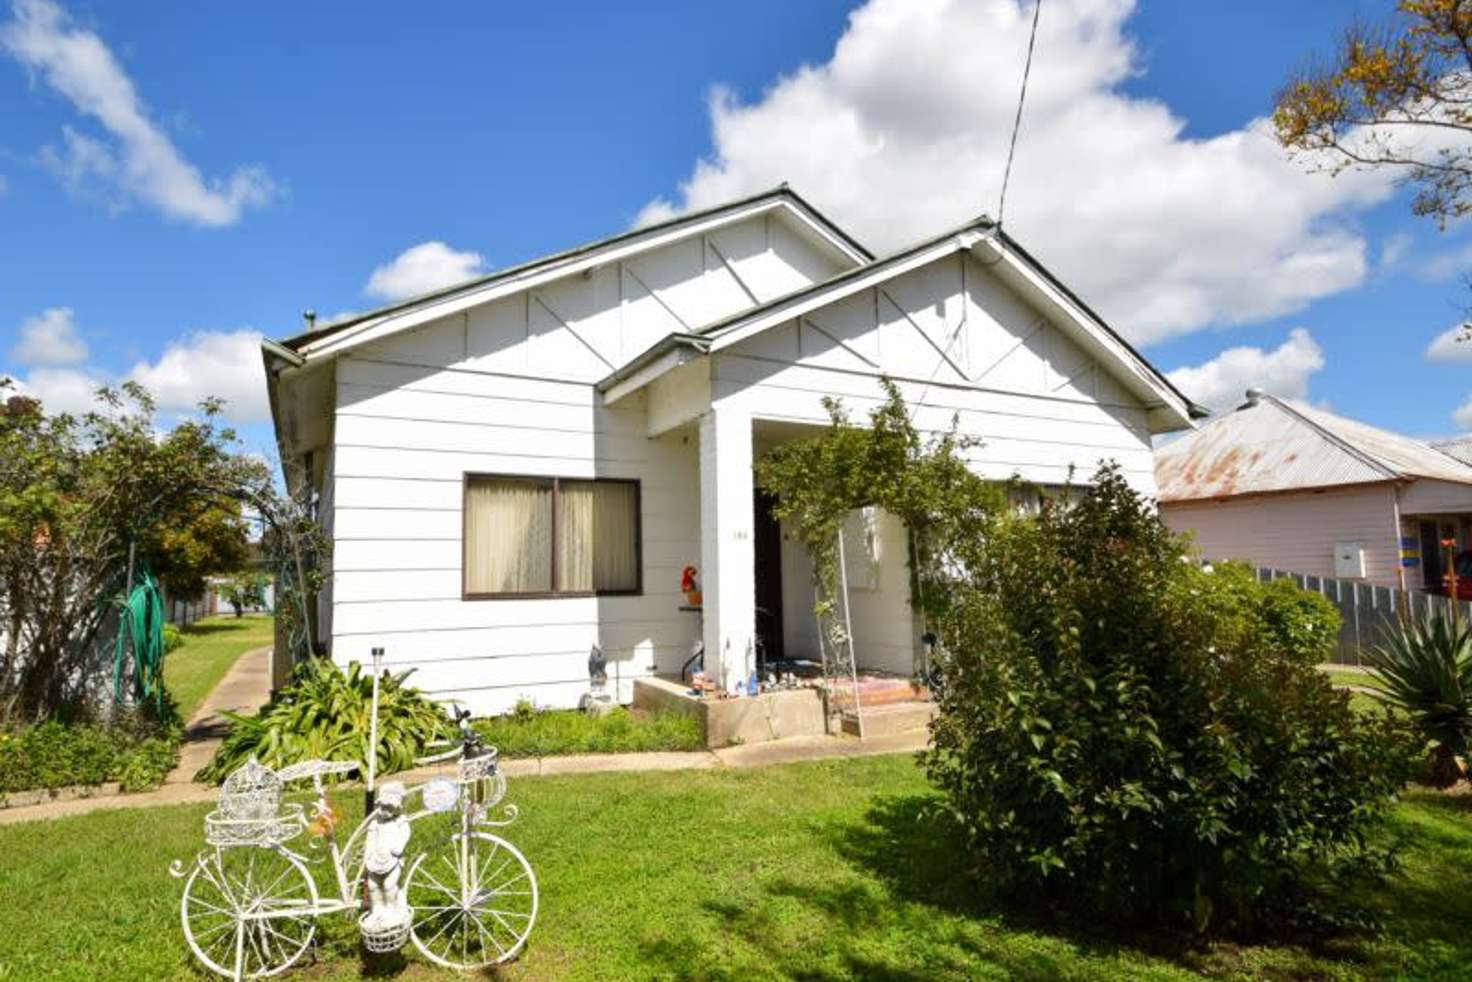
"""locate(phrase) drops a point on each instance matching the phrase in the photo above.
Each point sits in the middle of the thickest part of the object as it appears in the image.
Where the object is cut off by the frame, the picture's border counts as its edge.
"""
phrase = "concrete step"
(895, 717)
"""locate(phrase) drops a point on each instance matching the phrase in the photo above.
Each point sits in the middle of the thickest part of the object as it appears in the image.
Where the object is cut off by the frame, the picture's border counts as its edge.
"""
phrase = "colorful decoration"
(690, 586)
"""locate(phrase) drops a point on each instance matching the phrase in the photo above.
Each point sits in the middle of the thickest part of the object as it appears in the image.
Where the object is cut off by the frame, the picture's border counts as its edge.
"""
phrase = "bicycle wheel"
(249, 912)
(474, 898)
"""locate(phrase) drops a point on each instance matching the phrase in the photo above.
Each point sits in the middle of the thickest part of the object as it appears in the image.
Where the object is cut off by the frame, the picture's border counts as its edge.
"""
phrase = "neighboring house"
(518, 467)
(1287, 486)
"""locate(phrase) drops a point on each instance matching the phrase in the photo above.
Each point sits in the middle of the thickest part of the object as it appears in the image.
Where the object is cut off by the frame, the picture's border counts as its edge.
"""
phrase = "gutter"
(281, 351)
(670, 342)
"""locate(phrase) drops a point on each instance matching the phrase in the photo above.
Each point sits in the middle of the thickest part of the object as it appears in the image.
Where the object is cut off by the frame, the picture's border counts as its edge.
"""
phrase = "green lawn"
(809, 871)
(210, 647)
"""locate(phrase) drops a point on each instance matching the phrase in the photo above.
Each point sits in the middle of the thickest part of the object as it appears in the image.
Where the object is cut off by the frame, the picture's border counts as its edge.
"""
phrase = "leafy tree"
(1395, 96)
(81, 497)
(246, 589)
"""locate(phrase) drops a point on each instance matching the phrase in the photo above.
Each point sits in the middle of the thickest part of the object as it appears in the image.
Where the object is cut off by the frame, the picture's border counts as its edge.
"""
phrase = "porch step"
(879, 691)
(894, 717)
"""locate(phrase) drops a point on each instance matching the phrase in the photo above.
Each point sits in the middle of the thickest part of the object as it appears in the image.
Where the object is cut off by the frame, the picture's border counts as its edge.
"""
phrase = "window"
(550, 536)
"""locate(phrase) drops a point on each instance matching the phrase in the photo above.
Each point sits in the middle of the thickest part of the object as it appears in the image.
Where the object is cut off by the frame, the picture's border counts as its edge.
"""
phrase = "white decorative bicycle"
(467, 899)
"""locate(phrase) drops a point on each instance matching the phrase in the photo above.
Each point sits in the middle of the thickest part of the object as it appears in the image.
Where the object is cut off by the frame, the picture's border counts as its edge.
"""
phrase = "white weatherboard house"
(518, 467)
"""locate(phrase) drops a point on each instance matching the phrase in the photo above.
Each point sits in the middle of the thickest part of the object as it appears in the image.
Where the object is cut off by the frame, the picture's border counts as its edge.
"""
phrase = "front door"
(768, 569)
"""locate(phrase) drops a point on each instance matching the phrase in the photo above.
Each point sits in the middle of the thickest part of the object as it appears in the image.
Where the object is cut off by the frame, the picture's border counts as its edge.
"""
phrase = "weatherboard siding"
(1296, 531)
(960, 346)
(1038, 408)
(405, 437)
(508, 388)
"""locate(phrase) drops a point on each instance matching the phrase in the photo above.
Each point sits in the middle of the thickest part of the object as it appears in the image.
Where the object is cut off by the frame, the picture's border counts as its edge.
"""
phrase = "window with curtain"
(550, 536)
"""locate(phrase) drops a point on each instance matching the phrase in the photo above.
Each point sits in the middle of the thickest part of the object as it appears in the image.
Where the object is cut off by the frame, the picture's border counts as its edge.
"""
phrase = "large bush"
(324, 712)
(1126, 731)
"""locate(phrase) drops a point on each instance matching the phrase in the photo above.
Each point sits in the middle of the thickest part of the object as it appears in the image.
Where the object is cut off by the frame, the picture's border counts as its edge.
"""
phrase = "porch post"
(727, 552)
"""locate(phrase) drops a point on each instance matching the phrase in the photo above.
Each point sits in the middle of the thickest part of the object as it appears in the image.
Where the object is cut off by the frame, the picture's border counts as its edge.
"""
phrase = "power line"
(1017, 120)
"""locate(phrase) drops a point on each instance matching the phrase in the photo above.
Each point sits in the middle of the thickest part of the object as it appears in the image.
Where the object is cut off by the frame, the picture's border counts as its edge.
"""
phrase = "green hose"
(141, 621)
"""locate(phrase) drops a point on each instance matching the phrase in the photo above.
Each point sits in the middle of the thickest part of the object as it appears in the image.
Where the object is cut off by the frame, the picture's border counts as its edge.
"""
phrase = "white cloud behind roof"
(1163, 233)
(422, 268)
(1222, 382)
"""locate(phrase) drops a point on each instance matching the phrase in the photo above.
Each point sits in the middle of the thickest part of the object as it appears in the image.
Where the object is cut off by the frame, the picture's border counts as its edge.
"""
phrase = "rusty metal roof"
(1272, 444)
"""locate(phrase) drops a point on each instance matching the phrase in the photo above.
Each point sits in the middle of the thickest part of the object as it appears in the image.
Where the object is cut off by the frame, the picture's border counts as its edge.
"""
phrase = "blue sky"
(179, 176)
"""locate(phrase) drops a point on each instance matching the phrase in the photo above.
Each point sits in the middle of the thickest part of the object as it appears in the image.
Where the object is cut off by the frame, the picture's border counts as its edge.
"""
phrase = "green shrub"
(173, 637)
(1126, 732)
(54, 755)
(1425, 669)
(324, 712)
(530, 732)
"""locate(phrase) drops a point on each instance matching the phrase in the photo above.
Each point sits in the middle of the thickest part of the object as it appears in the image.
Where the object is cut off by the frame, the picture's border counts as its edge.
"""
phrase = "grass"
(1345, 676)
(210, 647)
(528, 732)
(818, 871)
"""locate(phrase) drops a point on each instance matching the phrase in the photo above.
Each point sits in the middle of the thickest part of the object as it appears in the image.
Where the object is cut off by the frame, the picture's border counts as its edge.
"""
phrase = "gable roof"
(1270, 444)
(404, 314)
(1008, 259)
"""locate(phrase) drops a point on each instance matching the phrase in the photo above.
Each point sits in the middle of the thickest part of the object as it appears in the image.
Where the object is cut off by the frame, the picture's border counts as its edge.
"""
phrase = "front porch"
(889, 706)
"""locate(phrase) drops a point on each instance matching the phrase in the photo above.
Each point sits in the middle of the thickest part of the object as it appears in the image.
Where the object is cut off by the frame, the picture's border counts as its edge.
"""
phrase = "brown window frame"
(556, 481)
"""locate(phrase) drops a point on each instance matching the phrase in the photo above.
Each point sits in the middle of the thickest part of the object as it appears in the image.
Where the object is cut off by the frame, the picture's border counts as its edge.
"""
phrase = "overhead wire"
(996, 231)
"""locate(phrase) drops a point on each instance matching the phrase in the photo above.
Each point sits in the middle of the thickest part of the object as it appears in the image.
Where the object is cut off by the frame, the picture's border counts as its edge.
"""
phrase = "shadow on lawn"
(898, 906)
(233, 625)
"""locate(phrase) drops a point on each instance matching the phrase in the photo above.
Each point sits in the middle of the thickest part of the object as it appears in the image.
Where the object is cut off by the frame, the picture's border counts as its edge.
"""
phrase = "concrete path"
(751, 755)
(244, 689)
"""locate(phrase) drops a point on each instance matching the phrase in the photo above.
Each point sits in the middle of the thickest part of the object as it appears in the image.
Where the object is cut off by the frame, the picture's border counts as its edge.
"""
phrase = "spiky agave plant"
(324, 713)
(1424, 667)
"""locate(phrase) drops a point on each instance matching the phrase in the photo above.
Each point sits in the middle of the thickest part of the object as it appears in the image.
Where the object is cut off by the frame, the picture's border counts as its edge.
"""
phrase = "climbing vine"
(923, 481)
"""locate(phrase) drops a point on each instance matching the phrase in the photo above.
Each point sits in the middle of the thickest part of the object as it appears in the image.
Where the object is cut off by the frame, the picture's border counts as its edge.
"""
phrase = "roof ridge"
(710, 330)
(1335, 438)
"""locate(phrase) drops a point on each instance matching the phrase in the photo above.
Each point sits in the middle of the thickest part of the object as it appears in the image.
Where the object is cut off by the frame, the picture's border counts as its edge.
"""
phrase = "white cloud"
(1394, 249)
(422, 268)
(50, 338)
(224, 364)
(1284, 371)
(61, 390)
(139, 161)
(1453, 344)
(1446, 265)
(1462, 415)
(903, 132)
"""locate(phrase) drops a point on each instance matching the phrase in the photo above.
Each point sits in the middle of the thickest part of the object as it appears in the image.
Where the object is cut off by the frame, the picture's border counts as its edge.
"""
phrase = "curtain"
(508, 535)
(597, 526)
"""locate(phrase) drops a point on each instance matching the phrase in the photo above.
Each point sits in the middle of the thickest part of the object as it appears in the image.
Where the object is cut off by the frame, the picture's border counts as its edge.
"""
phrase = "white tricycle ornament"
(467, 898)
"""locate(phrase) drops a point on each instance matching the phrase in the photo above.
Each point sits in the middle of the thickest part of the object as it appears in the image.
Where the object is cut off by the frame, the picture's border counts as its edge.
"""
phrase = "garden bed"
(82, 760)
(529, 732)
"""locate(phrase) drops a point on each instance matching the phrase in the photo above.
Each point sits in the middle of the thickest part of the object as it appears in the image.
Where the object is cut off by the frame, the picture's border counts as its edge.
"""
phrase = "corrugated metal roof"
(1271, 444)
(1459, 447)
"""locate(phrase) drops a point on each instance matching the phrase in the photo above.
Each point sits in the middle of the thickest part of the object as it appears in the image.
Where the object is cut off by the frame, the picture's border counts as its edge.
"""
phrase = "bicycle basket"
(250, 811)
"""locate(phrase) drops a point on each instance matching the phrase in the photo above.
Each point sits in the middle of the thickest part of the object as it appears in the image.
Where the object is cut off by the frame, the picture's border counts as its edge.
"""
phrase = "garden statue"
(597, 700)
(383, 861)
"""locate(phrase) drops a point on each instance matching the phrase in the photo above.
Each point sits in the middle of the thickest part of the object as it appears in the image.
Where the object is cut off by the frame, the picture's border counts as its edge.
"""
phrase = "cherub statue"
(383, 860)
